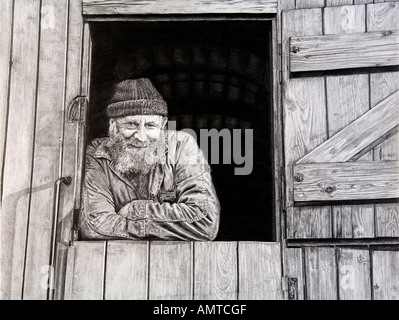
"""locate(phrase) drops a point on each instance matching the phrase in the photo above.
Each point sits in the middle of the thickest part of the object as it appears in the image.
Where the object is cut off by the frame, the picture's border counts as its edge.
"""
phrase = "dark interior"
(213, 74)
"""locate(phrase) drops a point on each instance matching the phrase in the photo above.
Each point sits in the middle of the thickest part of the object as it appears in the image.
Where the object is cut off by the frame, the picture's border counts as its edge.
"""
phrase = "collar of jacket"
(156, 175)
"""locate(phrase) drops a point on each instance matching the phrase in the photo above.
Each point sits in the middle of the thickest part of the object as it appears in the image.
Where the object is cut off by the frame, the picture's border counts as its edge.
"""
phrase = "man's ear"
(164, 122)
(113, 129)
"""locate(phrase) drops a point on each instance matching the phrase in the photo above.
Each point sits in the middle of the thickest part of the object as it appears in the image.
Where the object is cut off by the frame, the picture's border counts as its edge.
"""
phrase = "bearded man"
(144, 181)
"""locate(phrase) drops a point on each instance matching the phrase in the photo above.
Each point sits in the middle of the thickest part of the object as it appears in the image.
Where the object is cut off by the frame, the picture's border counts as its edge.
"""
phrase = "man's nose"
(141, 134)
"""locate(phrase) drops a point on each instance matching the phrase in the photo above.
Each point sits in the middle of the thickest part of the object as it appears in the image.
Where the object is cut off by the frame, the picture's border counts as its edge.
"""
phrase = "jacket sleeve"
(194, 215)
(98, 219)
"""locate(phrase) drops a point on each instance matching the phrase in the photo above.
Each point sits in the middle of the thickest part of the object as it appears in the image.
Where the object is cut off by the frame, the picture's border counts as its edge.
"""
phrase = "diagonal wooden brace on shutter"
(329, 173)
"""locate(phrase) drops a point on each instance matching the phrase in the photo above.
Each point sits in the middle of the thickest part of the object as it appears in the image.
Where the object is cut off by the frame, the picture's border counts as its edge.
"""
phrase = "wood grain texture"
(381, 17)
(117, 7)
(72, 89)
(259, 270)
(321, 274)
(293, 267)
(346, 181)
(126, 270)
(347, 100)
(48, 133)
(6, 25)
(88, 270)
(360, 136)
(305, 124)
(335, 52)
(354, 274)
(170, 271)
(19, 146)
(385, 275)
(306, 4)
(215, 271)
(286, 4)
(330, 3)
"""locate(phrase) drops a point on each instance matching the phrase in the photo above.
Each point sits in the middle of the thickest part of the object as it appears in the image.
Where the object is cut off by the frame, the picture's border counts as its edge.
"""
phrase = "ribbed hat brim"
(137, 107)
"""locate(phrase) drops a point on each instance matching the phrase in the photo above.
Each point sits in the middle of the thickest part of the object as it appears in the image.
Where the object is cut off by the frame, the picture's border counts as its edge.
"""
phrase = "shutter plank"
(360, 136)
(305, 125)
(321, 274)
(170, 271)
(335, 52)
(306, 4)
(354, 274)
(346, 181)
(88, 270)
(127, 270)
(385, 275)
(215, 271)
(19, 146)
(384, 16)
(124, 7)
(48, 133)
(72, 89)
(347, 100)
(293, 267)
(259, 268)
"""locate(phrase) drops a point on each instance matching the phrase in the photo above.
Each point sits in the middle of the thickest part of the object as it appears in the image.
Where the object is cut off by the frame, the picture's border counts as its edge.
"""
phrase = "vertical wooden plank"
(48, 133)
(384, 16)
(304, 124)
(347, 100)
(385, 275)
(88, 270)
(293, 267)
(127, 270)
(18, 154)
(321, 273)
(286, 4)
(215, 271)
(354, 274)
(69, 154)
(259, 267)
(6, 27)
(362, 1)
(305, 4)
(170, 271)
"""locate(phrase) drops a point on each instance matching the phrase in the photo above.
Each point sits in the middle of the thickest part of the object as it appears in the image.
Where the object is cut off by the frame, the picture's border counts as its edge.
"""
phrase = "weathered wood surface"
(18, 160)
(384, 16)
(88, 269)
(334, 52)
(170, 270)
(347, 100)
(6, 25)
(126, 270)
(48, 133)
(69, 155)
(215, 271)
(360, 136)
(354, 274)
(321, 274)
(292, 267)
(306, 4)
(385, 271)
(117, 7)
(305, 123)
(346, 181)
(259, 268)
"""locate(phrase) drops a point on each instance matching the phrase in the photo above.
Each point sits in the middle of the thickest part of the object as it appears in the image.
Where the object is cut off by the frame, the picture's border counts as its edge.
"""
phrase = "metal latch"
(290, 284)
(77, 109)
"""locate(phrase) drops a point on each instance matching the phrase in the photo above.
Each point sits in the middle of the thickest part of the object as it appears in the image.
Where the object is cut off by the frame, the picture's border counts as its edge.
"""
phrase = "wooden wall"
(44, 59)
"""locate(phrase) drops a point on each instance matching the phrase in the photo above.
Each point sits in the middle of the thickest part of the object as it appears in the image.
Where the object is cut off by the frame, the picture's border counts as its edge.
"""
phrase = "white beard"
(128, 159)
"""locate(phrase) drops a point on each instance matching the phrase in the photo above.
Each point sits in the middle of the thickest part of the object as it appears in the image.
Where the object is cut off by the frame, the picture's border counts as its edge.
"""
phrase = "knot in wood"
(295, 49)
(387, 33)
(329, 189)
(298, 177)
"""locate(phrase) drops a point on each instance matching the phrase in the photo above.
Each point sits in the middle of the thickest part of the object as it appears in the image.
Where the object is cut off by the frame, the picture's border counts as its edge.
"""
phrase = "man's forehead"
(142, 118)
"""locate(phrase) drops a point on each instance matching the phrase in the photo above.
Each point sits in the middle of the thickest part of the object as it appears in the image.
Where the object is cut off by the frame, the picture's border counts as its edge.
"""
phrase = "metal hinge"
(290, 285)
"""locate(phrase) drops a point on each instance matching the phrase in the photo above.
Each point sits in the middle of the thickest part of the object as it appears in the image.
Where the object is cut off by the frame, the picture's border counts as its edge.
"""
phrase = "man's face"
(137, 142)
(140, 130)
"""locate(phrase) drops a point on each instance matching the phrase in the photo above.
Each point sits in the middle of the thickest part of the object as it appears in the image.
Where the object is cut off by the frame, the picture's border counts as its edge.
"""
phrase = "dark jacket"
(182, 202)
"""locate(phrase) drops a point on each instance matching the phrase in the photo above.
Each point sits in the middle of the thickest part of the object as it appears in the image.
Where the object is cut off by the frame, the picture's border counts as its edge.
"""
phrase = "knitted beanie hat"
(136, 97)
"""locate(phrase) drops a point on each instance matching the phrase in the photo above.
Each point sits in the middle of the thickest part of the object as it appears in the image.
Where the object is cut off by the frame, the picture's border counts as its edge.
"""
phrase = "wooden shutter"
(340, 105)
